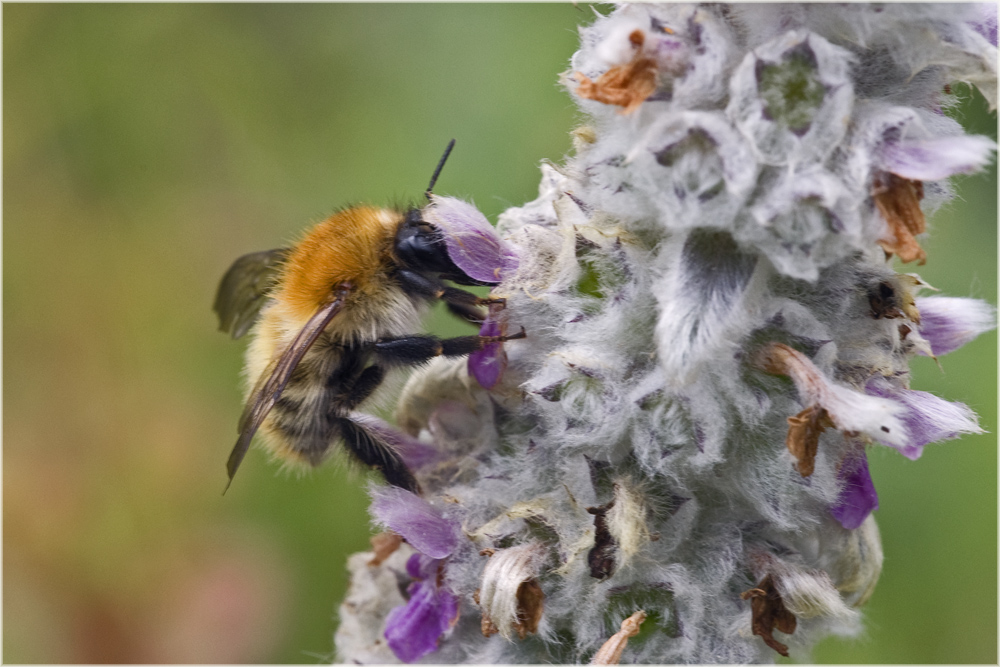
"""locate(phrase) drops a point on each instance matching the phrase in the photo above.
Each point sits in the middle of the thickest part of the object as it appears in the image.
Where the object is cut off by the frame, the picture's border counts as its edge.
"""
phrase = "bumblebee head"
(421, 246)
(450, 238)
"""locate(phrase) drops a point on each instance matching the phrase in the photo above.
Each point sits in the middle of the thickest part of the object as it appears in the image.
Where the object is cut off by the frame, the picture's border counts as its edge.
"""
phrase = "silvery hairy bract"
(716, 337)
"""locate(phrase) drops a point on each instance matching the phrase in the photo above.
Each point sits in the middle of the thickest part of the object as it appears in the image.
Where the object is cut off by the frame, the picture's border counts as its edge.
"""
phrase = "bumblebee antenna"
(437, 171)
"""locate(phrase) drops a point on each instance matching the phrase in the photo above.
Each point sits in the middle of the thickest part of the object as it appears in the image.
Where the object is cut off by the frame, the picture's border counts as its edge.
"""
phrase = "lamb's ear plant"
(716, 337)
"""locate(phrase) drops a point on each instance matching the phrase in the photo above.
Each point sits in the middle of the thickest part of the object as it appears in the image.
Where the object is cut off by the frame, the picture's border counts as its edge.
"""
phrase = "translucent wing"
(273, 380)
(243, 290)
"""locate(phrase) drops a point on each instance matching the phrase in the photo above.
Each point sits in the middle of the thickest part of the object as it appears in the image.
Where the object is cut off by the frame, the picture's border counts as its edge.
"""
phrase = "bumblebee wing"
(243, 290)
(272, 381)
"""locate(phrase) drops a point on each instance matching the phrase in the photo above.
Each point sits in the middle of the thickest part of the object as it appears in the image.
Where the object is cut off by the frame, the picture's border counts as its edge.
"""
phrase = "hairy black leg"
(460, 302)
(420, 285)
(470, 314)
(408, 350)
(467, 305)
(413, 350)
(373, 450)
(461, 297)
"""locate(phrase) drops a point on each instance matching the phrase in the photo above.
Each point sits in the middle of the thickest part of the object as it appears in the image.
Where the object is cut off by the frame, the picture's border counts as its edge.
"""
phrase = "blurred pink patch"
(228, 607)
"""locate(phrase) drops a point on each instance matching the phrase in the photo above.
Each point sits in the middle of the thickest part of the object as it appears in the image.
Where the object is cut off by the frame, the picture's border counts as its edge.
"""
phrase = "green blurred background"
(147, 146)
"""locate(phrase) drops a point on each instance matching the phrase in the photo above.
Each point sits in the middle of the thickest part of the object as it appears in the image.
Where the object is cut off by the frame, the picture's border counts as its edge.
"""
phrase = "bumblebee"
(329, 317)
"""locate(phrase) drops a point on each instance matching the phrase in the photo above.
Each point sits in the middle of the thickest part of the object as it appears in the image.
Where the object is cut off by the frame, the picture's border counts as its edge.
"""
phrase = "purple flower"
(487, 365)
(935, 159)
(927, 418)
(857, 497)
(472, 242)
(476, 248)
(420, 523)
(948, 323)
(414, 629)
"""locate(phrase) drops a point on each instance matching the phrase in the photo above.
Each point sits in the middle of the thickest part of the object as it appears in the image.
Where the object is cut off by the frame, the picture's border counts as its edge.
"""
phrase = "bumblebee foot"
(503, 339)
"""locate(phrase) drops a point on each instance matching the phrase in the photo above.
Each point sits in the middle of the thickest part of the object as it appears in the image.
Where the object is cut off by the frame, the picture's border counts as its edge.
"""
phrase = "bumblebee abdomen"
(303, 431)
(304, 423)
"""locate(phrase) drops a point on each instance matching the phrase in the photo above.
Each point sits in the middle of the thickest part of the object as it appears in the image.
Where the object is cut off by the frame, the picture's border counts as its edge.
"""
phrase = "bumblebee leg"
(373, 450)
(470, 314)
(407, 351)
(420, 285)
(413, 350)
(467, 305)
(460, 302)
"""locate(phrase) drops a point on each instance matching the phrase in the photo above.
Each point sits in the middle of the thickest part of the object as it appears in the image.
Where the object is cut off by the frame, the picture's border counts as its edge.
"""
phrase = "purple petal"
(927, 418)
(420, 524)
(948, 323)
(413, 630)
(487, 365)
(414, 565)
(857, 498)
(472, 242)
(415, 454)
(935, 159)
(419, 566)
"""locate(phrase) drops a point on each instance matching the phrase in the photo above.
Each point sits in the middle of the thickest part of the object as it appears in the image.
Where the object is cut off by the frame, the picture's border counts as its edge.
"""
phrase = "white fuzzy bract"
(740, 176)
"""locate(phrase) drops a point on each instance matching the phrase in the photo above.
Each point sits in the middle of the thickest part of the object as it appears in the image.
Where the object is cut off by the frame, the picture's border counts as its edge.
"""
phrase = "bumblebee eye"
(420, 247)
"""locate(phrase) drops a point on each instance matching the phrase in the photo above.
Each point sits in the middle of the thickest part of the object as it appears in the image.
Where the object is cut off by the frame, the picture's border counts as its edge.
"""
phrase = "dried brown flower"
(802, 440)
(804, 428)
(486, 623)
(601, 557)
(384, 545)
(898, 200)
(625, 85)
(769, 614)
(511, 597)
(530, 603)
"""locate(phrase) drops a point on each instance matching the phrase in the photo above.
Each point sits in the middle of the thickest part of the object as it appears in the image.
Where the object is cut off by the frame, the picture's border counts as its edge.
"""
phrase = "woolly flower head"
(671, 465)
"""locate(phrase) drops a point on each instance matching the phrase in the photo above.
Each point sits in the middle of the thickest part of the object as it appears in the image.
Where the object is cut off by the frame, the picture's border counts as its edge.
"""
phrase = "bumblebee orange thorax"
(354, 246)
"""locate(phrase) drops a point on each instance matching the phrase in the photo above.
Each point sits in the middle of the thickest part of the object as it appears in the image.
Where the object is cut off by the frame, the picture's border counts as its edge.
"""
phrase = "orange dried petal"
(384, 545)
(898, 200)
(625, 85)
(802, 440)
